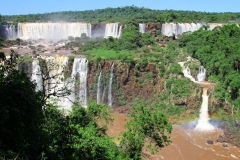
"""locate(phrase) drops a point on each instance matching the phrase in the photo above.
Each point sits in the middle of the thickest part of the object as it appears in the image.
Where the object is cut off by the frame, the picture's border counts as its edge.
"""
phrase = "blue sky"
(16, 7)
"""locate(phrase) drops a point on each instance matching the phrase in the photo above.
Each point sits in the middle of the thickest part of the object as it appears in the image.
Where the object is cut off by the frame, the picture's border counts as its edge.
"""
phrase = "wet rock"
(225, 145)
(210, 142)
(232, 137)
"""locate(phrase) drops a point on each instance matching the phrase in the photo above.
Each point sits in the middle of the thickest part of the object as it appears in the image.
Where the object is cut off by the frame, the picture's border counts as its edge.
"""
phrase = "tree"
(79, 134)
(1, 42)
(33, 129)
(20, 113)
(145, 126)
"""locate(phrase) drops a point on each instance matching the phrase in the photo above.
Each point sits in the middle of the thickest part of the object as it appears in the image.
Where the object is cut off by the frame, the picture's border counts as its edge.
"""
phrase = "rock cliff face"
(153, 26)
(132, 84)
(125, 85)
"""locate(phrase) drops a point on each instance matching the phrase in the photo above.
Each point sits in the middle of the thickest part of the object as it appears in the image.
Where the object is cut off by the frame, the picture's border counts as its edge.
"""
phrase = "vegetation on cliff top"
(126, 14)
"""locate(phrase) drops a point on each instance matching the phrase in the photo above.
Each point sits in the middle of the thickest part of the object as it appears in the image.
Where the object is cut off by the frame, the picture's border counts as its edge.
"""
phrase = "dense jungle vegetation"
(31, 128)
(219, 51)
(125, 14)
(56, 135)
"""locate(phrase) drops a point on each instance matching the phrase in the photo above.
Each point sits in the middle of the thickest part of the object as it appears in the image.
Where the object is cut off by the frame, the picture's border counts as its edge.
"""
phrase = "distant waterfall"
(56, 66)
(11, 32)
(99, 89)
(8, 31)
(142, 27)
(110, 86)
(120, 31)
(170, 29)
(37, 74)
(201, 76)
(113, 29)
(203, 122)
(54, 31)
(213, 25)
(80, 68)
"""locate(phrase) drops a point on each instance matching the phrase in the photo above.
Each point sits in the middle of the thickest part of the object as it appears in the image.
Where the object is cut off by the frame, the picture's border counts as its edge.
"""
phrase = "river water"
(187, 143)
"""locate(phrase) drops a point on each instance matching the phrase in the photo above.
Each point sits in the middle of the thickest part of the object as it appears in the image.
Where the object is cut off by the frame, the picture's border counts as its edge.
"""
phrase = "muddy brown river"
(187, 144)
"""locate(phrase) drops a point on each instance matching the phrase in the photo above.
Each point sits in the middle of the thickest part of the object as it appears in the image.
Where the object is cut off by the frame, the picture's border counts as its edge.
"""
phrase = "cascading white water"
(201, 76)
(213, 25)
(37, 74)
(170, 29)
(54, 31)
(56, 66)
(77, 83)
(99, 88)
(110, 86)
(142, 27)
(120, 31)
(203, 121)
(113, 29)
(10, 31)
(80, 68)
(57, 82)
(186, 71)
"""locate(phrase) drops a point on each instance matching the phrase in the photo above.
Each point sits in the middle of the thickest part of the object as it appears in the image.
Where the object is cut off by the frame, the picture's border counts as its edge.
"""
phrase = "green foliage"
(78, 135)
(179, 87)
(150, 125)
(124, 14)
(143, 63)
(150, 76)
(147, 39)
(1, 42)
(146, 50)
(107, 54)
(70, 38)
(174, 69)
(218, 51)
(26, 59)
(71, 58)
(128, 60)
(20, 114)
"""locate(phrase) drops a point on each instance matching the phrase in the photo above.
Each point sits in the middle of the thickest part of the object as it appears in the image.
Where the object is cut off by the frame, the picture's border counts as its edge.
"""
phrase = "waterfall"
(120, 31)
(8, 31)
(36, 75)
(58, 83)
(99, 88)
(80, 70)
(110, 86)
(170, 29)
(186, 71)
(213, 25)
(113, 29)
(53, 30)
(142, 27)
(201, 76)
(11, 32)
(203, 122)
(56, 66)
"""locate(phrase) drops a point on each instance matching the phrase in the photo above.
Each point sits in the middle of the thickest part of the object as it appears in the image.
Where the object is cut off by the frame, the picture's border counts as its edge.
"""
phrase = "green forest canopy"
(128, 13)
